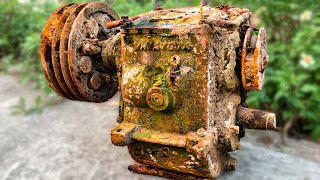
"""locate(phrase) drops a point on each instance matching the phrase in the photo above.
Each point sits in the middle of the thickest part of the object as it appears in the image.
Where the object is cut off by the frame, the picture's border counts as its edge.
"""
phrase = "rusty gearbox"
(183, 75)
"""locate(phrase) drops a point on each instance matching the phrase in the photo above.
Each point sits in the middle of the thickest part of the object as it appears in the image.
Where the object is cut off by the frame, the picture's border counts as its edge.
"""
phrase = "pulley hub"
(71, 49)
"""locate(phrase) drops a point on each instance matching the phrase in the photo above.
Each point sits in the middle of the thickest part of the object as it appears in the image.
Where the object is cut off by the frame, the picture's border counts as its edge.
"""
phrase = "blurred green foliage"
(21, 25)
(292, 85)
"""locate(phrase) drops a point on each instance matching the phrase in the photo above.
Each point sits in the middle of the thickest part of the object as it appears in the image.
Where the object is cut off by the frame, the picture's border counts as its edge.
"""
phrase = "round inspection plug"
(159, 99)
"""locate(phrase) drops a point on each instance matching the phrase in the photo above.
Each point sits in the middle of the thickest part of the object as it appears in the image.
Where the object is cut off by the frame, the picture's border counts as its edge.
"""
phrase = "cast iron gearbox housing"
(183, 75)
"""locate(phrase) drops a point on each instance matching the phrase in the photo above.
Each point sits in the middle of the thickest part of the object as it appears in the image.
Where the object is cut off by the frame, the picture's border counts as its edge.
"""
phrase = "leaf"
(310, 88)
(280, 94)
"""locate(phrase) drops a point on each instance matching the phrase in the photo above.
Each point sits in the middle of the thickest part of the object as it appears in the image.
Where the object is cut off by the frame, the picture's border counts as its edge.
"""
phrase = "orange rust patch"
(252, 62)
(256, 81)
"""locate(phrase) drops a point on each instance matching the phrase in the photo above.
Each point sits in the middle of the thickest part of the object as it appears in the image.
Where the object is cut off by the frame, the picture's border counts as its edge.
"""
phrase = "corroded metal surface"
(97, 84)
(55, 50)
(125, 20)
(70, 52)
(255, 119)
(236, 17)
(254, 59)
(64, 40)
(169, 53)
(183, 76)
(45, 51)
(142, 169)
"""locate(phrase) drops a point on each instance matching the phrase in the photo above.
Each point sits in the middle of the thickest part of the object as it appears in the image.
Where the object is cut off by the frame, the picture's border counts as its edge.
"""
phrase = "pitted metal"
(75, 35)
(45, 51)
(254, 59)
(181, 77)
(63, 51)
(56, 49)
(84, 41)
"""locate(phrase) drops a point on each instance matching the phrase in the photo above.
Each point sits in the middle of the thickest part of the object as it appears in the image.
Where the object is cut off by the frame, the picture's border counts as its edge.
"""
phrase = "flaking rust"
(183, 75)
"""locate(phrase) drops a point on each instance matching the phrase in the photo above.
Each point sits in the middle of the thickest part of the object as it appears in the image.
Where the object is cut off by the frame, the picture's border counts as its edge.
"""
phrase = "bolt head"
(96, 81)
(85, 64)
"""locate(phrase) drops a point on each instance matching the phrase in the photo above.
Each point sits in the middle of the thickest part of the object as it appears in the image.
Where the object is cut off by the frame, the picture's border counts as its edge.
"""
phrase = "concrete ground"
(70, 140)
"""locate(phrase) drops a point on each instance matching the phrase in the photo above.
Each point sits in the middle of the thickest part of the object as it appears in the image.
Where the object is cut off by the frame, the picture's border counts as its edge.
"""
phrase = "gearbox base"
(148, 170)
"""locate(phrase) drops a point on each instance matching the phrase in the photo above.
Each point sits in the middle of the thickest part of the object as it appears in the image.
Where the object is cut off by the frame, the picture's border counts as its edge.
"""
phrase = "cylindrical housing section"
(255, 119)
